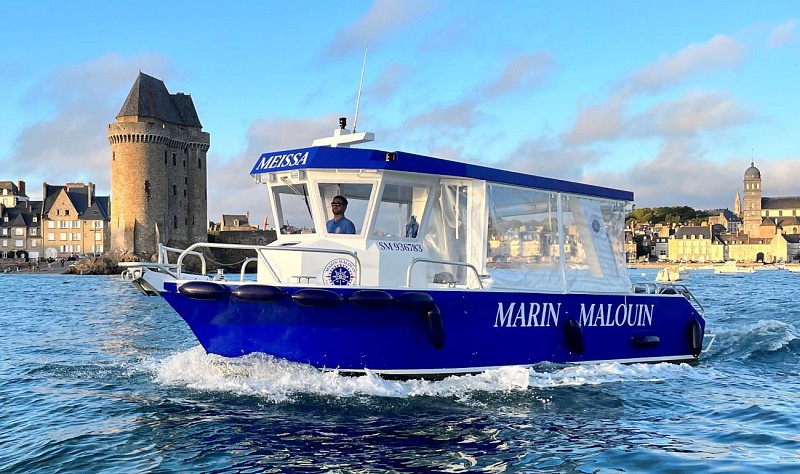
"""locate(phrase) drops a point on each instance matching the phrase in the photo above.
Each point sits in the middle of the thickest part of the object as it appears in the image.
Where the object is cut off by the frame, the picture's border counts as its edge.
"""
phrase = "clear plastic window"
(293, 209)
(400, 211)
(594, 246)
(523, 237)
(357, 196)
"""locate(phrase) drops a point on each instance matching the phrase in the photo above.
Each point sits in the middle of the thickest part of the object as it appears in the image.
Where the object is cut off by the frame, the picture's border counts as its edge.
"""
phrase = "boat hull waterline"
(403, 332)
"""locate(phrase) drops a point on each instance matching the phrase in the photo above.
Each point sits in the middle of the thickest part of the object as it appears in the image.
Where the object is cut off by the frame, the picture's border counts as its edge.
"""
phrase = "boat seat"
(445, 278)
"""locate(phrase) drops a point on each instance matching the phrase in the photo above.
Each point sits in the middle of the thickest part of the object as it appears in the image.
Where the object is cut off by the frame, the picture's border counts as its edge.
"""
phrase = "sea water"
(98, 378)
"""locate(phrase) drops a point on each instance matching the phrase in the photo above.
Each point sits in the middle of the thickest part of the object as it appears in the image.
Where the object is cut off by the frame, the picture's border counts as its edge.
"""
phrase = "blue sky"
(670, 100)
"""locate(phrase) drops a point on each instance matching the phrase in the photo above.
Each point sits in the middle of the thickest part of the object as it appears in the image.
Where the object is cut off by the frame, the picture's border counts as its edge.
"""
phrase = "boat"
(731, 267)
(453, 269)
(766, 267)
(668, 274)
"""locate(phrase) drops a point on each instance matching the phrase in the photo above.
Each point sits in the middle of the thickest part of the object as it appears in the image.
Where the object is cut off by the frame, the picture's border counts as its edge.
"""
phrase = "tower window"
(174, 160)
(174, 190)
(165, 157)
(199, 164)
(184, 163)
(175, 222)
(185, 180)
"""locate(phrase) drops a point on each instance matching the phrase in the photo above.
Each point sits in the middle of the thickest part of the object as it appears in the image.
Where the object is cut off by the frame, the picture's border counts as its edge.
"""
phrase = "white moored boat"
(668, 274)
(730, 267)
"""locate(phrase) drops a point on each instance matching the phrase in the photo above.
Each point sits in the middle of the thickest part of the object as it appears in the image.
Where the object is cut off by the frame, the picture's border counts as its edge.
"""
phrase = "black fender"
(646, 341)
(258, 293)
(317, 298)
(371, 298)
(424, 303)
(574, 334)
(203, 290)
(695, 332)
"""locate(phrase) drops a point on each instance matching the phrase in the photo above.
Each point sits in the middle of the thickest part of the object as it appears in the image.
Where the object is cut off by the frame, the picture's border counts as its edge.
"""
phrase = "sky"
(670, 100)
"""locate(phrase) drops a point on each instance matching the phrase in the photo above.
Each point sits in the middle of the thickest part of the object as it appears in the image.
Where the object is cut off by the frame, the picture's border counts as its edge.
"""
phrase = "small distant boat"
(668, 274)
(766, 267)
(731, 267)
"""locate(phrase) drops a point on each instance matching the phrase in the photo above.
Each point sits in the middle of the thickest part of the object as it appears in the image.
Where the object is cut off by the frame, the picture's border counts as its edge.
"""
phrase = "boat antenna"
(360, 86)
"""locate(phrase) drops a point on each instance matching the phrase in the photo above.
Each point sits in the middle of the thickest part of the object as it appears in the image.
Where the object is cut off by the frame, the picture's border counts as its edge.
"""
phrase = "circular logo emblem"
(339, 272)
(595, 225)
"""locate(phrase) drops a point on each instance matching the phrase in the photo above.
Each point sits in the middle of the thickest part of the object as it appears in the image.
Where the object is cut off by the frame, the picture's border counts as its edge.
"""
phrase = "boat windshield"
(357, 195)
(293, 209)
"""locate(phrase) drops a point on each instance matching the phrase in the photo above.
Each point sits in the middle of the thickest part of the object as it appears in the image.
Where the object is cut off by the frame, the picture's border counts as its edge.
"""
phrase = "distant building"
(771, 224)
(11, 194)
(763, 217)
(158, 170)
(20, 226)
(74, 220)
(233, 222)
(696, 244)
(727, 219)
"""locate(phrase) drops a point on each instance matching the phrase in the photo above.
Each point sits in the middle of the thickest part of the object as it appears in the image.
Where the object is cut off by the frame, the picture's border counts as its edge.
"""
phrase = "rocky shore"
(106, 264)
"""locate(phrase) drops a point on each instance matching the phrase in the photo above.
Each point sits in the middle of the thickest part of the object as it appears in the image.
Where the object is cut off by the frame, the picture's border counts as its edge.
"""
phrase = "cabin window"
(523, 233)
(446, 233)
(400, 211)
(357, 195)
(594, 249)
(293, 209)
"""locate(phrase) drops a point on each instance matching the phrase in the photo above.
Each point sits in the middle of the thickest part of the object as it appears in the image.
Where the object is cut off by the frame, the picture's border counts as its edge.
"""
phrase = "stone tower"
(158, 170)
(751, 212)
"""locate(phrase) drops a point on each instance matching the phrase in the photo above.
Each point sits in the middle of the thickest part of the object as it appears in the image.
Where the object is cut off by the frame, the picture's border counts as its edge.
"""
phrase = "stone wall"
(158, 184)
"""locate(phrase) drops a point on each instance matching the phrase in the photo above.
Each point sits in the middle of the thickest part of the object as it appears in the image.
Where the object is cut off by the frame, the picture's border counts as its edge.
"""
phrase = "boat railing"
(478, 276)
(135, 270)
(668, 288)
(261, 251)
(164, 251)
(244, 266)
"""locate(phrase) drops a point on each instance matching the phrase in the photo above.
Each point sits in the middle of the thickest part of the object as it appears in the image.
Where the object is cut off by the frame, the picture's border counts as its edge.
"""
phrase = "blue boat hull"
(444, 331)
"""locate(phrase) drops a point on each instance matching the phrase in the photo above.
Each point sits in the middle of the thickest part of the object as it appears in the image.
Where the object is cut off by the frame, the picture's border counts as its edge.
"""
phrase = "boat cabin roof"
(324, 157)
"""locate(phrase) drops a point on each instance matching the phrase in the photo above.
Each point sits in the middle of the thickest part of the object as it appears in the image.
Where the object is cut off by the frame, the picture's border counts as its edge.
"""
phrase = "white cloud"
(545, 156)
(720, 52)
(679, 175)
(71, 144)
(783, 33)
(691, 113)
(604, 121)
(386, 85)
(461, 115)
(526, 72)
(383, 19)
